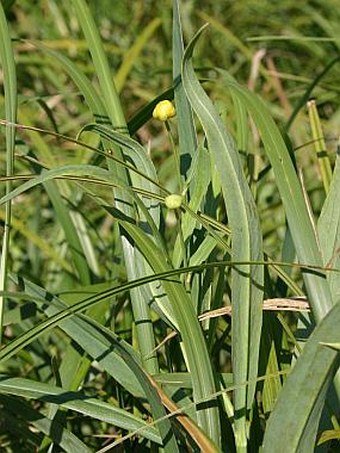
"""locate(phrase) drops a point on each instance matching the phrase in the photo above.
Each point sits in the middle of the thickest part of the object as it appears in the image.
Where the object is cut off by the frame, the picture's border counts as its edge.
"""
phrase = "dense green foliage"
(169, 283)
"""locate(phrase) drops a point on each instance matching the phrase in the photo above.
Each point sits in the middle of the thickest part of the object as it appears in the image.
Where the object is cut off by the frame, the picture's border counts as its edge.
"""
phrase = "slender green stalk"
(10, 92)
(320, 145)
(176, 156)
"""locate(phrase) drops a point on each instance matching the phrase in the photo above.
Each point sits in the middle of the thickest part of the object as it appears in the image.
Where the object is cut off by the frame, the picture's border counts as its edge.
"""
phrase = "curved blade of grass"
(304, 391)
(82, 169)
(92, 98)
(135, 153)
(25, 339)
(319, 144)
(109, 93)
(116, 356)
(292, 198)
(53, 429)
(153, 397)
(328, 228)
(10, 92)
(12, 348)
(247, 292)
(200, 165)
(88, 338)
(191, 333)
(185, 124)
(78, 402)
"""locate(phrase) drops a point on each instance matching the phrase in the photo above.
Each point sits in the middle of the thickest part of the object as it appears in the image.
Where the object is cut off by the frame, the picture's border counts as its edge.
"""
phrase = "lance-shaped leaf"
(195, 349)
(78, 402)
(246, 242)
(293, 423)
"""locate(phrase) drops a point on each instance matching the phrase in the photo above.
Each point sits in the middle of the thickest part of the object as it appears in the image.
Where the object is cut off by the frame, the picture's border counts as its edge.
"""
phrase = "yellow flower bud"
(164, 110)
(173, 201)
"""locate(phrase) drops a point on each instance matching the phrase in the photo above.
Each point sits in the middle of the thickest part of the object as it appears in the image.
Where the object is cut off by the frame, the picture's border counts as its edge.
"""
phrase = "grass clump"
(170, 253)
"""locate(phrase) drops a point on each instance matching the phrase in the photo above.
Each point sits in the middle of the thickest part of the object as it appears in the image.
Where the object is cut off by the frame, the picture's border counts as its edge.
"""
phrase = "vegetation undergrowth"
(170, 256)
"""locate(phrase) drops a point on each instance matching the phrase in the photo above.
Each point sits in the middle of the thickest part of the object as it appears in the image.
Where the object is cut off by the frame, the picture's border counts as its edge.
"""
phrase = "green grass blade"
(10, 92)
(193, 341)
(185, 123)
(292, 198)
(246, 245)
(109, 93)
(134, 153)
(328, 228)
(92, 98)
(48, 175)
(78, 402)
(32, 417)
(200, 165)
(90, 340)
(319, 144)
(305, 391)
(157, 409)
(117, 357)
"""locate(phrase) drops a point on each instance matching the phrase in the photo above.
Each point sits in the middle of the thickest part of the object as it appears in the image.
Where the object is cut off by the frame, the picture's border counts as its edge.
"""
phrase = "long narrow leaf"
(109, 93)
(304, 392)
(78, 402)
(191, 333)
(53, 429)
(10, 92)
(247, 292)
(329, 231)
(292, 198)
(115, 355)
(186, 130)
